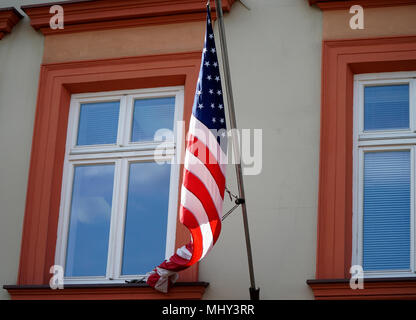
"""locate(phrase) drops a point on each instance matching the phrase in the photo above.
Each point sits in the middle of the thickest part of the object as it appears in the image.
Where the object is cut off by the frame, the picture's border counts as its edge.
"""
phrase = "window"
(384, 170)
(119, 196)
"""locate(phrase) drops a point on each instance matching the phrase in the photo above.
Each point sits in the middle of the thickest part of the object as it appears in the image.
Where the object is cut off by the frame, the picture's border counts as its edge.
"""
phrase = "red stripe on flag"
(202, 152)
(190, 222)
(194, 185)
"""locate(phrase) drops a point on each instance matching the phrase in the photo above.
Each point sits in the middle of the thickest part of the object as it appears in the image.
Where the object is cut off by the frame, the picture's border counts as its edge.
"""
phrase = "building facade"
(331, 86)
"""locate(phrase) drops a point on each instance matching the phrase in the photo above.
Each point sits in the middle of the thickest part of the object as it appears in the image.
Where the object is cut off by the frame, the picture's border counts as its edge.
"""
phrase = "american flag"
(203, 185)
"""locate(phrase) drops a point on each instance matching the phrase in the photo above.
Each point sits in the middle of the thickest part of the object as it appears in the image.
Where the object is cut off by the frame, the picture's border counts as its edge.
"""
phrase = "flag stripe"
(195, 166)
(200, 150)
(205, 135)
(196, 235)
(195, 207)
(193, 184)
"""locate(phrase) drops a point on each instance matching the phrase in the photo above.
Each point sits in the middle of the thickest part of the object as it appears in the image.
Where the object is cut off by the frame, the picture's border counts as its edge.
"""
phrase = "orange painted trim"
(187, 291)
(108, 14)
(374, 289)
(9, 17)
(347, 4)
(342, 59)
(57, 83)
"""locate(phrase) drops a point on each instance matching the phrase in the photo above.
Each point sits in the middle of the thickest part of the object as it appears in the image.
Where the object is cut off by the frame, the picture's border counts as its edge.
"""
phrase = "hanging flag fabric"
(203, 186)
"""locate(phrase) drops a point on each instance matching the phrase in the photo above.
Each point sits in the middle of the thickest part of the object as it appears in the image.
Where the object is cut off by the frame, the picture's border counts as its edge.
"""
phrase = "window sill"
(125, 291)
(374, 289)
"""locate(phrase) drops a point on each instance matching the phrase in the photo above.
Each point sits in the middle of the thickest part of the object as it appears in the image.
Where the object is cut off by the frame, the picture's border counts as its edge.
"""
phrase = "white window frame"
(121, 154)
(383, 140)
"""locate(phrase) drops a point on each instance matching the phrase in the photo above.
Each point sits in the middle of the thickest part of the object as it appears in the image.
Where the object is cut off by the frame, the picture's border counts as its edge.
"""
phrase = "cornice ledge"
(86, 15)
(180, 290)
(374, 289)
(9, 17)
(346, 4)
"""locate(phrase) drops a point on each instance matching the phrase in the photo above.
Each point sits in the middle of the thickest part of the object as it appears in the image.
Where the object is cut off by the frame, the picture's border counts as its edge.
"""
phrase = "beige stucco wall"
(275, 54)
(126, 42)
(20, 58)
(378, 22)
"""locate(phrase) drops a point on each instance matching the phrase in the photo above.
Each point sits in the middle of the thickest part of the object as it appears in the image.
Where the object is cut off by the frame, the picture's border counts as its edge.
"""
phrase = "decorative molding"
(341, 59)
(374, 289)
(56, 84)
(181, 290)
(84, 15)
(9, 17)
(346, 4)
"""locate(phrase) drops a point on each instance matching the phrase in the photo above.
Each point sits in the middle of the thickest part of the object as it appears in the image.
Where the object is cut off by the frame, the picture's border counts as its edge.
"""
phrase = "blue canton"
(209, 103)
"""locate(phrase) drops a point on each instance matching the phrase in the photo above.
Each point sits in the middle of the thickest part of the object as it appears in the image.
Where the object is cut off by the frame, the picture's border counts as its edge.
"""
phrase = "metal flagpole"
(254, 292)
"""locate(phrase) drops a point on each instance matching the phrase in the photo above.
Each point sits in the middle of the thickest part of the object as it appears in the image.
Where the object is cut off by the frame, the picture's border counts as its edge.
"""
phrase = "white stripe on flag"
(199, 130)
(194, 205)
(184, 253)
(197, 168)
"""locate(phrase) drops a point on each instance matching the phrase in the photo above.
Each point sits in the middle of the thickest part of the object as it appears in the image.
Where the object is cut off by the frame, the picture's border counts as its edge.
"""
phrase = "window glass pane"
(146, 217)
(386, 225)
(89, 225)
(386, 107)
(151, 115)
(98, 123)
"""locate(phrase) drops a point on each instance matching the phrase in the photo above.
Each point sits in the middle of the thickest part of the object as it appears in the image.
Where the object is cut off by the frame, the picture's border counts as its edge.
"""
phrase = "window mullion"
(358, 118)
(63, 226)
(360, 207)
(121, 136)
(128, 120)
(360, 87)
(73, 124)
(120, 217)
(111, 274)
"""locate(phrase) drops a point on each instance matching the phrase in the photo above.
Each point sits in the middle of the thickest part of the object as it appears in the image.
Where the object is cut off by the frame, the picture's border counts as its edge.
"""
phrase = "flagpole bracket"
(240, 201)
